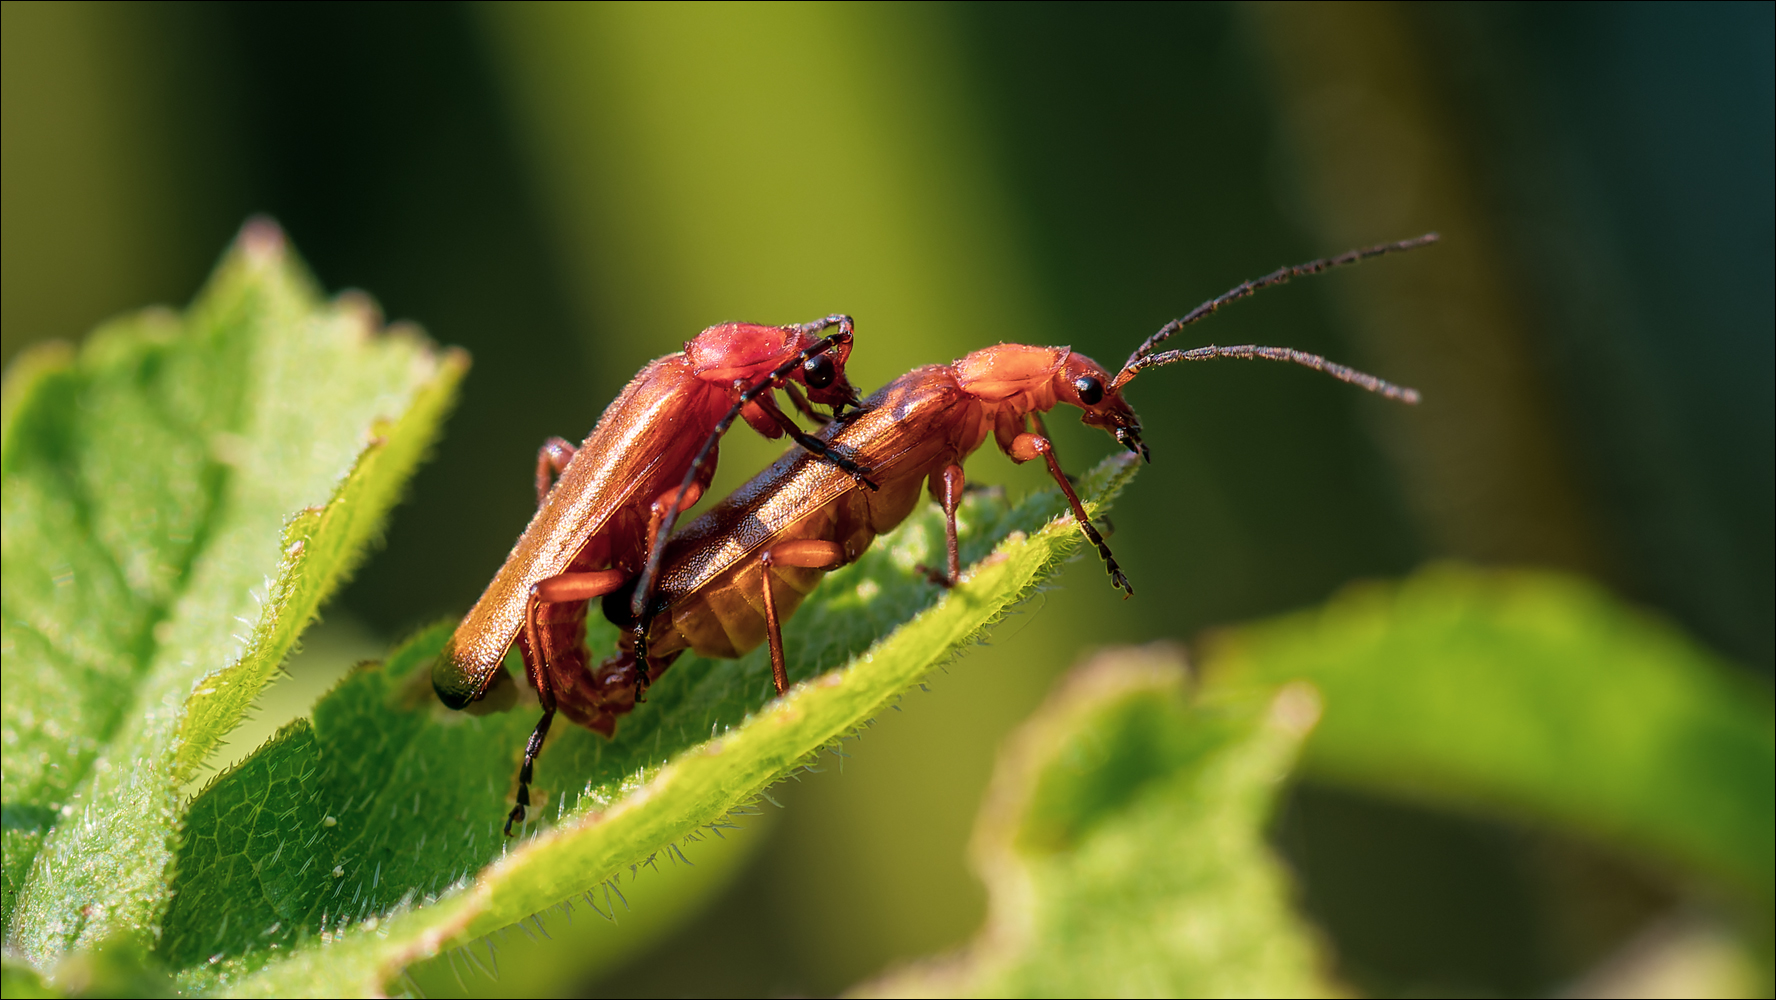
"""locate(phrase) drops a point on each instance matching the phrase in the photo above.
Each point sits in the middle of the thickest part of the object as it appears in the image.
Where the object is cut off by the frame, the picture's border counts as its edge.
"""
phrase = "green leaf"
(1539, 696)
(179, 498)
(117, 968)
(17, 979)
(339, 854)
(1122, 844)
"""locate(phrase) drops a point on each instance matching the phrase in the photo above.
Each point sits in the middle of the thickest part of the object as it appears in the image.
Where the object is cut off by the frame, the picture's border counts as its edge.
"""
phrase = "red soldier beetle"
(650, 456)
(730, 578)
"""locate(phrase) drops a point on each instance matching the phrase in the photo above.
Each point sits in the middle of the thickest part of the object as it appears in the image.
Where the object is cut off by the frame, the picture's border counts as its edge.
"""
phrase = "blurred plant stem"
(769, 163)
(98, 215)
(1370, 154)
(74, 172)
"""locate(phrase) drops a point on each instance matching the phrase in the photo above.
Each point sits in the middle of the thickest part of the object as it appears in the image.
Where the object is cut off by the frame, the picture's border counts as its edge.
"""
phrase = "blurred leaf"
(1122, 843)
(120, 967)
(554, 952)
(1685, 954)
(376, 832)
(1536, 695)
(20, 980)
(179, 499)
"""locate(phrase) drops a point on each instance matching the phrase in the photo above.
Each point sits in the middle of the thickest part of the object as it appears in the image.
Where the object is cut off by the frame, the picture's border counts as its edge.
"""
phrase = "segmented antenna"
(1143, 356)
(1340, 372)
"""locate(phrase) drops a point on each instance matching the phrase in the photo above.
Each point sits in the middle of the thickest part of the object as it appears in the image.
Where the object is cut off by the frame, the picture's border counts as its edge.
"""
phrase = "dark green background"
(1617, 157)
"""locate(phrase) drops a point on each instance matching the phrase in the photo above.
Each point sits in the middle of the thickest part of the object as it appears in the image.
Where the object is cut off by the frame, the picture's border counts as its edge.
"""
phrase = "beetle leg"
(638, 636)
(659, 513)
(566, 587)
(755, 416)
(563, 588)
(531, 749)
(947, 485)
(840, 320)
(808, 553)
(814, 445)
(559, 589)
(663, 506)
(1042, 429)
(552, 457)
(1028, 446)
(539, 679)
(804, 407)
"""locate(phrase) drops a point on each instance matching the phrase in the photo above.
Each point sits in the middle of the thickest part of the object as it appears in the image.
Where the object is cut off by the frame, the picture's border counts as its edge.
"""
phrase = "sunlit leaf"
(179, 498)
(341, 853)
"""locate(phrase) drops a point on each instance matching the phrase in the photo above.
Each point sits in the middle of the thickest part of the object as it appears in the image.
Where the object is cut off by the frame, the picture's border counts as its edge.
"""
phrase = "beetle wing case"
(625, 456)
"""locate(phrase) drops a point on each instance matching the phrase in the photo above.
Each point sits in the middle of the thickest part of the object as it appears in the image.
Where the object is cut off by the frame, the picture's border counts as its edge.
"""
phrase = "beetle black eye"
(1091, 391)
(818, 371)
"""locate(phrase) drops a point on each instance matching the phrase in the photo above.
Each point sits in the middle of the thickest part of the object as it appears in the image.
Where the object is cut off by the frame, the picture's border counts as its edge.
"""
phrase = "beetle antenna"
(1140, 358)
(1340, 372)
(644, 584)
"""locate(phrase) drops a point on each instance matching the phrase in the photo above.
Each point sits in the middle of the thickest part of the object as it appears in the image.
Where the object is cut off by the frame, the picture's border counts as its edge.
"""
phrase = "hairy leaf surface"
(341, 853)
(179, 498)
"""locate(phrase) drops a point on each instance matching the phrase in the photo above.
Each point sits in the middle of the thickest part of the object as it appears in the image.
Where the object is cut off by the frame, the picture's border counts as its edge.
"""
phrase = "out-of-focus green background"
(569, 191)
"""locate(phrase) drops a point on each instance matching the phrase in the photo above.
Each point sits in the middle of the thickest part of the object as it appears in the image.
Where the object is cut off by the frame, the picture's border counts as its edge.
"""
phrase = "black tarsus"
(1118, 579)
(1240, 291)
(531, 749)
(639, 605)
(815, 446)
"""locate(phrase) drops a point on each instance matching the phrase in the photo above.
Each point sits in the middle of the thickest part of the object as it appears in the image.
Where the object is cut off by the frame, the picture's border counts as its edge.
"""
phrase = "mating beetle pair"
(725, 583)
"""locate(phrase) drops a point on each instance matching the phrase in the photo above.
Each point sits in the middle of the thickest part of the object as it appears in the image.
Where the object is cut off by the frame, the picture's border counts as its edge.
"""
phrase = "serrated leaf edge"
(815, 712)
(345, 524)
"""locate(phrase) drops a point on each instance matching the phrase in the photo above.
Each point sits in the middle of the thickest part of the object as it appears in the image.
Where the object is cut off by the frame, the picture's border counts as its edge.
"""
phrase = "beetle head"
(823, 374)
(1084, 383)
